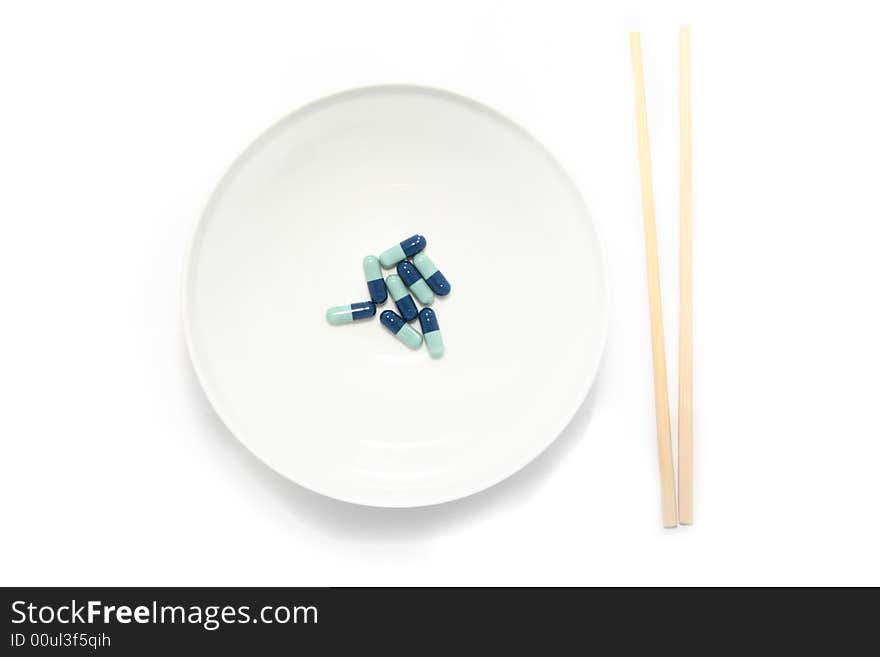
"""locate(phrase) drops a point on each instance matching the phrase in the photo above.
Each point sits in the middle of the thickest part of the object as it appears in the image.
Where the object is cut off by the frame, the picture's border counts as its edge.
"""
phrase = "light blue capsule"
(345, 314)
(415, 282)
(404, 301)
(375, 282)
(431, 331)
(404, 332)
(407, 248)
(434, 277)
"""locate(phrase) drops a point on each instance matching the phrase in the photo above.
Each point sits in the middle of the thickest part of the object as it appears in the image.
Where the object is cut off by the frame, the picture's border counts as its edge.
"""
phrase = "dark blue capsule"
(407, 308)
(413, 245)
(408, 272)
(378, 291)
(392, 321)
(428, 320)
(362, 310)
(437, 282)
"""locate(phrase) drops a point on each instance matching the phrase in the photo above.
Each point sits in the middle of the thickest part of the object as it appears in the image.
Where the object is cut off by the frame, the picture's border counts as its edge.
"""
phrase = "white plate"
(348, 411)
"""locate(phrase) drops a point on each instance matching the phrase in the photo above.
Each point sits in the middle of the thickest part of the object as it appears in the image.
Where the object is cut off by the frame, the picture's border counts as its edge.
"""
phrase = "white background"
(116, 122)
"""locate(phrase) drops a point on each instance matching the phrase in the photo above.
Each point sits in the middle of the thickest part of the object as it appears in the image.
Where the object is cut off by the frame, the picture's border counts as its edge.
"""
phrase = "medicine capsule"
(402, 251)
(436, 280)
(404, 301)
(404, 332)
(375, 282)
(431, 330)
(414, 281)
(346, 314)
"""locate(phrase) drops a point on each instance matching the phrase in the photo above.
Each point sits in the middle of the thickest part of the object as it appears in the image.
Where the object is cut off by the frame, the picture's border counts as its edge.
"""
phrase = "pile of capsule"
(416, 272)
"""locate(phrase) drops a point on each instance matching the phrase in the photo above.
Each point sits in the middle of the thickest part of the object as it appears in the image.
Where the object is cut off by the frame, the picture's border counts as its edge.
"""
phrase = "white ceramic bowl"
(348, 411)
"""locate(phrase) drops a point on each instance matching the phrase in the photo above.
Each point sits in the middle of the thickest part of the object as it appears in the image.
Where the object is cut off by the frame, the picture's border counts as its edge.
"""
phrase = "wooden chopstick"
(661, 393)
(685, 322)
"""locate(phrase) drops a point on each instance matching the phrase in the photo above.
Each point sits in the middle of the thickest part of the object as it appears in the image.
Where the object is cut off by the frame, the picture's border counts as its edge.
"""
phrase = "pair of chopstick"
(683, 514)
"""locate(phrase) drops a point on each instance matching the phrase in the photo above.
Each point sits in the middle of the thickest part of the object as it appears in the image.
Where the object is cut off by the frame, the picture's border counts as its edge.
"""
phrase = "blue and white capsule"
(404, 301)
(406, 249)
(350, 313)
(431, 331)
(375, 282)
(414, 281)
(435, 279)
(404, 332)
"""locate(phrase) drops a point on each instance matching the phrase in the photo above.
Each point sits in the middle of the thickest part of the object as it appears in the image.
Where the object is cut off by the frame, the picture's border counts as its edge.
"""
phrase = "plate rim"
(314, 105)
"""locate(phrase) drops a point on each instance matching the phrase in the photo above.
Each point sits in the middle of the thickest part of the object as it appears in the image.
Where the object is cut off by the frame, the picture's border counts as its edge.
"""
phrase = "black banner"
(134, 621)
